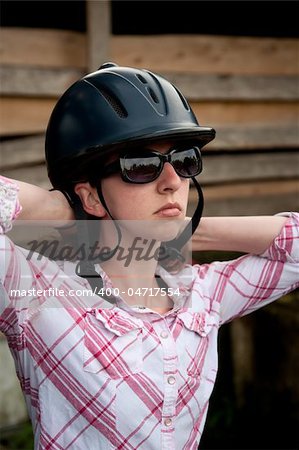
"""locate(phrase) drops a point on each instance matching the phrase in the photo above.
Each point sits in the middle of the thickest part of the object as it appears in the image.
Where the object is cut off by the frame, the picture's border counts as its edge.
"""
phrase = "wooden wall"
(245, 87)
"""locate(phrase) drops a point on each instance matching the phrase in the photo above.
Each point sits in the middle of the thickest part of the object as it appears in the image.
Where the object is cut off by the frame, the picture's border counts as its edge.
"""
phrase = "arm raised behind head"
(246, 234)
(36, 203)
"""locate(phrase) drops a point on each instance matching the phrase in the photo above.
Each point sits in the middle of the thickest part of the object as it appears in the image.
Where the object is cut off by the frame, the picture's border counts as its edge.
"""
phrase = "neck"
(132, 271)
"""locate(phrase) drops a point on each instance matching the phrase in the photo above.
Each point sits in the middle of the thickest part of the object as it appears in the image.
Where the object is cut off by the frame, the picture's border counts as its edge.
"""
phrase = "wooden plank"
(21, 115)
(34, 81)
(208, 54)
(267, 197)
(23, 151)
(98, 32)
(236, 87)
(43, 47)
(20, 80)
(250, 137)
(249, 190)
(164, 53)
(249, 166)
(24, 116)
(33, 174)
(246, 113)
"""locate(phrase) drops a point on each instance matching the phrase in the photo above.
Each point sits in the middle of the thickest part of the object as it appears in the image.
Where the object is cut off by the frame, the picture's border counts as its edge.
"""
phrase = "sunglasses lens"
(141, 170)
(187, 163)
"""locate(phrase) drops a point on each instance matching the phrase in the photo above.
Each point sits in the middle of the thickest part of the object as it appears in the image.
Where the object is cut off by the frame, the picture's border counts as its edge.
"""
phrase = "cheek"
(125, 200)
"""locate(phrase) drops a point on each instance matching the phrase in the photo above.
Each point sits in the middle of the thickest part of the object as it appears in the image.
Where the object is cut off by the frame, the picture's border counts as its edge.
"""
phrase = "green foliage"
(17, 438)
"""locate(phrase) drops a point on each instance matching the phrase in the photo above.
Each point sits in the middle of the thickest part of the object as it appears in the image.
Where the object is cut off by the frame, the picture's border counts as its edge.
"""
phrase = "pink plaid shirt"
(99, 377)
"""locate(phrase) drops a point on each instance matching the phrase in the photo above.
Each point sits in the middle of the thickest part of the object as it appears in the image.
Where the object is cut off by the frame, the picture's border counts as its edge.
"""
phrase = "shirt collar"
(180, 282)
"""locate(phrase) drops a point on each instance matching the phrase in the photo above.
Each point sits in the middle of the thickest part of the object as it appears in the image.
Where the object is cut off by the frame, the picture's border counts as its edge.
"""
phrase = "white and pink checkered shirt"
(121, 377)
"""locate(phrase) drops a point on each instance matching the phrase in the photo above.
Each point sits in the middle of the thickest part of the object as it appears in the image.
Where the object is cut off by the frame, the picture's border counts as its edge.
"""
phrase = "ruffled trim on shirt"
(10, 206)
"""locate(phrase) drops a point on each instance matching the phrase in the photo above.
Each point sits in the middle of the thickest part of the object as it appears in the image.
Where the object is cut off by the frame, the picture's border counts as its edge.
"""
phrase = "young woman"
(133, 365)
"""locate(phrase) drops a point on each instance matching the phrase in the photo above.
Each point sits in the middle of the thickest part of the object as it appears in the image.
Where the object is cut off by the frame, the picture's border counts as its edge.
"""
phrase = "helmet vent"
(153, 95)
(115, 104)
(141, 78)
(184, 101)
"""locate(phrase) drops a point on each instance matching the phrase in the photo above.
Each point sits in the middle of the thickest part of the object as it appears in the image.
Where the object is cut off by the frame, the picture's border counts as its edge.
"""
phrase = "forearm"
(241, 234)
(39, 204)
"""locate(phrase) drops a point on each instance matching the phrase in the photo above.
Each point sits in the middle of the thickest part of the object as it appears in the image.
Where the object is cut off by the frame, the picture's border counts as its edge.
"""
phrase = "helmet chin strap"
(85, 268)
(170, 251)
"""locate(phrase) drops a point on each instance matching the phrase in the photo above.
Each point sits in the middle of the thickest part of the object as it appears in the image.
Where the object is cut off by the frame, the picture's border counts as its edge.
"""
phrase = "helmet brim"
(199, 135)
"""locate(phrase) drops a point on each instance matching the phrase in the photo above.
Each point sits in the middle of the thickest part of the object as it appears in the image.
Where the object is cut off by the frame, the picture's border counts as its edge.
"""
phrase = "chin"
(165, 229)
(159, 229)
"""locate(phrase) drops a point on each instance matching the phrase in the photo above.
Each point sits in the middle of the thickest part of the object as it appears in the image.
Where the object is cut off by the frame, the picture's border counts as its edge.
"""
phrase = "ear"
(90, 199)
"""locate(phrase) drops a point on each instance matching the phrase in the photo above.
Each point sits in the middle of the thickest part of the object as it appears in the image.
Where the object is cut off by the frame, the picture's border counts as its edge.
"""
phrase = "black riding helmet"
(112, 108)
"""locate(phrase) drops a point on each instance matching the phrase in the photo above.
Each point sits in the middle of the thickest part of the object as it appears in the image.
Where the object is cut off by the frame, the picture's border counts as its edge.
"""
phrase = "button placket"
(170, 363)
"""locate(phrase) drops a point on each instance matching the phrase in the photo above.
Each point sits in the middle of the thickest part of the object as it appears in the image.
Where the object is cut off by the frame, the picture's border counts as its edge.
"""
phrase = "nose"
(168, 180)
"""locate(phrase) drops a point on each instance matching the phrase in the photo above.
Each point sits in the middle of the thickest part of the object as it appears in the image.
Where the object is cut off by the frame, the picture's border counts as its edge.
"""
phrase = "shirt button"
(164, 335)
(171, 380)
(167, 422)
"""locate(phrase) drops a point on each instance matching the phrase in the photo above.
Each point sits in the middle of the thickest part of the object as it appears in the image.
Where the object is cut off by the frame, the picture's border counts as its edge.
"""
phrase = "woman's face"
(165, 198)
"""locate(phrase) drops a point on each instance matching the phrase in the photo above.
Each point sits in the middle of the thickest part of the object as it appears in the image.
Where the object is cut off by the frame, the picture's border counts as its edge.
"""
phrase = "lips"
(169, 210)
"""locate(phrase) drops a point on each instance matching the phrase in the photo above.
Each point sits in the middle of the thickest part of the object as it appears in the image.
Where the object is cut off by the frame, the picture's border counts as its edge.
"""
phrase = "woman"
(133, 365)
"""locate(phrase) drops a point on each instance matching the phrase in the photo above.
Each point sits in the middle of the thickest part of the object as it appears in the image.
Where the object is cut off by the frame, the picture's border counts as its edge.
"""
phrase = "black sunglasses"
(138, 169)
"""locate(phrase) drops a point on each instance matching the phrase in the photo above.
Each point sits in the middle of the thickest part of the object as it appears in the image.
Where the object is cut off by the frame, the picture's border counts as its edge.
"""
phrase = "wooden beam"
(256, 114)
(208, 54)
(248, 166)
(198, 54)
(260, 197)
(43, 47)
(236, 87)
(98, 32)
(253, 137)
(22, 152)
(253, 206)
(34, 81)
(31, 174)
(24, 115)
(245, 190)
(20, 80)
